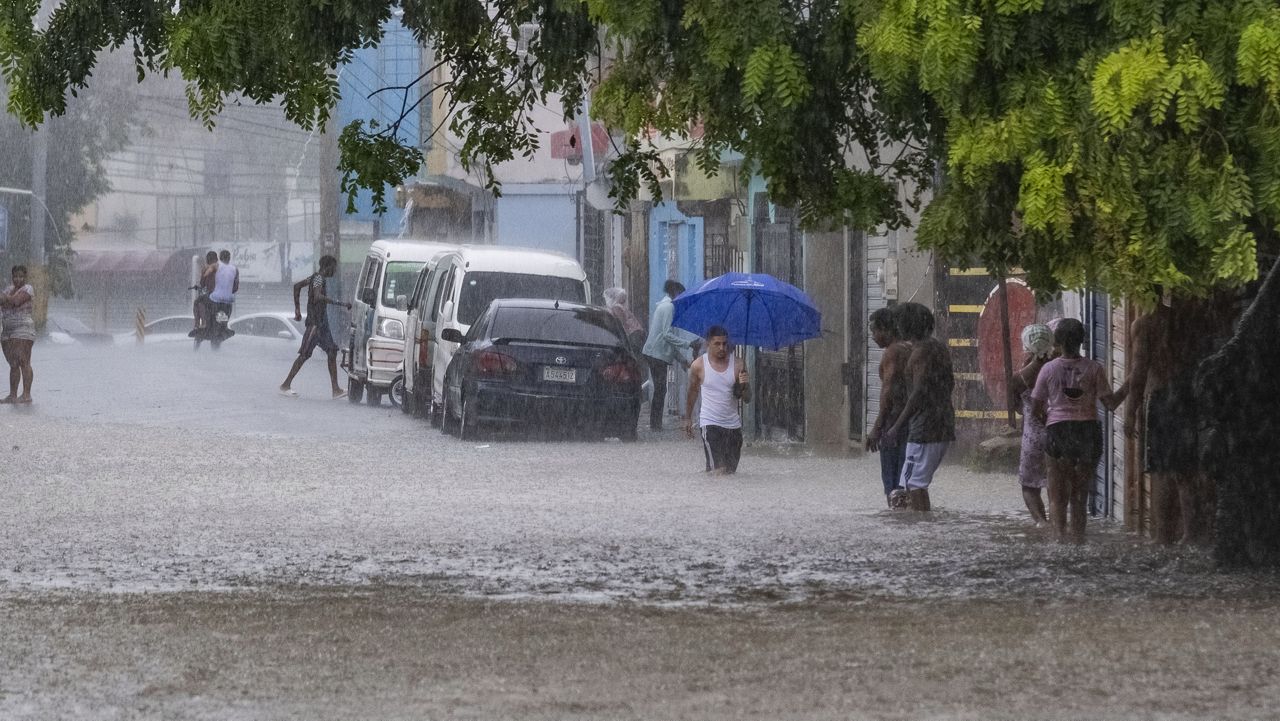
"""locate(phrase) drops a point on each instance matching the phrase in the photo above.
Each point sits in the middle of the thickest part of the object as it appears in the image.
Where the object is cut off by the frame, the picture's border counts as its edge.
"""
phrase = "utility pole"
(329, 241)
(36, 271)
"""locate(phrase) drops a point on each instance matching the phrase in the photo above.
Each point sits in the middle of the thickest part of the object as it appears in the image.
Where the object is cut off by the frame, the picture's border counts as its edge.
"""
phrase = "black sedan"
(544, 365)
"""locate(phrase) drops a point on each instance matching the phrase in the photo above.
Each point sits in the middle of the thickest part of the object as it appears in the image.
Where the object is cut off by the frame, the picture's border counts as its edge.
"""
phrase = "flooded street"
(179, 541)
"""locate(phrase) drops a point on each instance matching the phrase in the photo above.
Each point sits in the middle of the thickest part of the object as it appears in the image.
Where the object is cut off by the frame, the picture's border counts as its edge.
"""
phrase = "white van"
(466, 280)
(417, 344)
(378, 311)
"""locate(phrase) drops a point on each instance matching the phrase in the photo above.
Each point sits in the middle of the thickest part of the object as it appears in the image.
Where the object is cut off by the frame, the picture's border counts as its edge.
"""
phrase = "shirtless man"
(1168, 345)
(893, 396)
(928, 418)
(317, 333)
(721, 380)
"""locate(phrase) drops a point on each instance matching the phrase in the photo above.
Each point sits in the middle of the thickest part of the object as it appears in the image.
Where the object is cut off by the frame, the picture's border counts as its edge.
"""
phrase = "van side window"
(370, 279)
(419, 289)
(441, 290)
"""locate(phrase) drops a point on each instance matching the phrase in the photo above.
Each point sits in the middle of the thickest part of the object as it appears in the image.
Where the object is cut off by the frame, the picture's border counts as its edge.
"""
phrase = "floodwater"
(178, 541)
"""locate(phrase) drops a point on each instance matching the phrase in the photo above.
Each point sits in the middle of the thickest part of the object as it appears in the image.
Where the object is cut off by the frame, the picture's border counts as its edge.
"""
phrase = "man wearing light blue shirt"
(664, 346)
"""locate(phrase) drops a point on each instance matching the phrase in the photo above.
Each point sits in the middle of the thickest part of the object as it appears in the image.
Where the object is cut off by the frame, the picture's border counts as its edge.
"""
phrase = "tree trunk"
(1238, 394)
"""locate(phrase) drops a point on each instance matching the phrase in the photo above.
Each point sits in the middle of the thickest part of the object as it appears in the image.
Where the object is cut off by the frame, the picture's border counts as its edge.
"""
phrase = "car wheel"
(397, 397)
(355, 389)
(467, 425)
(447, 424)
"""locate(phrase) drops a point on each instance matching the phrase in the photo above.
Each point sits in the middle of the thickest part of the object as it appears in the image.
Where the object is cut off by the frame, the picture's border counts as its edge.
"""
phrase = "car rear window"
(579, 325)
(480, 288)
(399, 280)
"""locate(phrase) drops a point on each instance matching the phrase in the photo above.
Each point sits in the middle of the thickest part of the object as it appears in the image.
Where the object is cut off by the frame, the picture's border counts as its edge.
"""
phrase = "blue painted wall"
(395, 61)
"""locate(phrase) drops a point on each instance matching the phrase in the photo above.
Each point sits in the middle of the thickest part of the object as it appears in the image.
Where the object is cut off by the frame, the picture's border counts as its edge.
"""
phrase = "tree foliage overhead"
(1117, 143)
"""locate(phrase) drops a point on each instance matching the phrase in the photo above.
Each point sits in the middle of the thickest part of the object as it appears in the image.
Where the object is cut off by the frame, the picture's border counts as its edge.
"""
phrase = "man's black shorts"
(317, 335)
(723, 447)
(1079, 442)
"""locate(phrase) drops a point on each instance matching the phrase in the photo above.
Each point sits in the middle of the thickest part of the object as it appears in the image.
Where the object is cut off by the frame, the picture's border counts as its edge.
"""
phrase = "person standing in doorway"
(317, 333)
(18, 333)
(893, 396)
(928, 417)
(1066, 397)
(664, 346)
(721, 381)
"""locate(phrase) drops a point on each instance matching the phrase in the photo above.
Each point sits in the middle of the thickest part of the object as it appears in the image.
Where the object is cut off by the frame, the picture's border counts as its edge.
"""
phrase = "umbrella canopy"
(757, 309)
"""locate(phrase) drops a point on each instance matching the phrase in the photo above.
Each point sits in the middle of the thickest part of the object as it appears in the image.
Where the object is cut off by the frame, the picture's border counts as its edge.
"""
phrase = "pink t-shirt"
(1070, 387)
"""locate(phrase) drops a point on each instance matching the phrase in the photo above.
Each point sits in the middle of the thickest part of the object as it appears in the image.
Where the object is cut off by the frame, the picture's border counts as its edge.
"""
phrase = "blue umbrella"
(757, 309)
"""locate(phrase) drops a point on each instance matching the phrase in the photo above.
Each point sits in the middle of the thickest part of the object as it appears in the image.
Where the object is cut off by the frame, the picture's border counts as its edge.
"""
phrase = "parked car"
(65, 330)
(170, 328)
(378, 311)
(543, 364)
(467, 279)
(277, 326)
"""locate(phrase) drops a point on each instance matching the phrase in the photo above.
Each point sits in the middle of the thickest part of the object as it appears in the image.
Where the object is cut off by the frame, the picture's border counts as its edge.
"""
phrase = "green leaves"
(1258, 56)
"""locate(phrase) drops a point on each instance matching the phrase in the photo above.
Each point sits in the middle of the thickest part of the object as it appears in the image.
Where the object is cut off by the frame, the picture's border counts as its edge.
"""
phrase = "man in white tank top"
(226, 280)
(722, 382)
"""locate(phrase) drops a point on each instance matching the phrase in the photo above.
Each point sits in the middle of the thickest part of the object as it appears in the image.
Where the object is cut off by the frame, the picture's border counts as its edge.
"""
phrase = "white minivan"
(466, 280)
(376, 351)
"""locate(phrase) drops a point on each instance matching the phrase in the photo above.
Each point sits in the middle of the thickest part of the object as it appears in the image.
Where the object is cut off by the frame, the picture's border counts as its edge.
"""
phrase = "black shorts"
(317, 336)
(723, 447)
(1172, 435)
(1079, 442)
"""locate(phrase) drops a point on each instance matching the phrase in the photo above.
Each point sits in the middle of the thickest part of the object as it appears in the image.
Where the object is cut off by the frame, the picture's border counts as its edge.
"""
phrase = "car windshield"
(399, 279)
(586, 326)
(481, 288)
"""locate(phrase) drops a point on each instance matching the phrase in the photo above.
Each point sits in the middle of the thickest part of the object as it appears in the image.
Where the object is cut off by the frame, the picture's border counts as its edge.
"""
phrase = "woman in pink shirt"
(1066, 397)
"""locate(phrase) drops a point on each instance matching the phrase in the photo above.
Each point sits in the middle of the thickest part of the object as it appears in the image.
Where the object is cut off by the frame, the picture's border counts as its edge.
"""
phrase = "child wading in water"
(1066, 397)
(1037, 343)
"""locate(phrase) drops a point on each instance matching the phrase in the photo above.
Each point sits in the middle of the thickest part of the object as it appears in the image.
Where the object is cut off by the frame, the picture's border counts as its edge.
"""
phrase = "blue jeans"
(891, 460)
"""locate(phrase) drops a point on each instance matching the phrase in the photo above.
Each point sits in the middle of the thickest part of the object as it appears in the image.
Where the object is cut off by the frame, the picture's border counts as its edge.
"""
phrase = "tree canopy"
(1115, 143)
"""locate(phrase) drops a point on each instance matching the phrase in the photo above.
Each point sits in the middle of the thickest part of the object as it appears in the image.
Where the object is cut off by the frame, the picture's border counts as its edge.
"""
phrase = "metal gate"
(779, 386)
(1098, 327)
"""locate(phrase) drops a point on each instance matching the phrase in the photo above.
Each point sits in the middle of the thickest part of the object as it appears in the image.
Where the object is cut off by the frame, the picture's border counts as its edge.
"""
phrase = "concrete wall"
(826, 399)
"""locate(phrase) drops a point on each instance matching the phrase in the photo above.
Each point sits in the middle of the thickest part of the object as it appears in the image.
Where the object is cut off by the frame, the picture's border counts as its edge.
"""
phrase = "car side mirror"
(402, 303)
(369, 296)
(451, 335)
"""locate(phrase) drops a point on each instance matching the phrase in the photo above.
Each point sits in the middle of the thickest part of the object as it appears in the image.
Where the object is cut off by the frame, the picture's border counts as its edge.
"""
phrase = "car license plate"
(560, 375)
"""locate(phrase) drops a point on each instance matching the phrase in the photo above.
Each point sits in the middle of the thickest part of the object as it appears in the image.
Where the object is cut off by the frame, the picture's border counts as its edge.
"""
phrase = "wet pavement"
(162, 502)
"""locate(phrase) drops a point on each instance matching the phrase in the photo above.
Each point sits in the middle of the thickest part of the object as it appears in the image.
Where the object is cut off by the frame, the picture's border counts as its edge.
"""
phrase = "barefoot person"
(1033, 476)
(721, 380)
(18, 333)
(317, 333)
(1066, 397)
(928, 418)
(893, 396)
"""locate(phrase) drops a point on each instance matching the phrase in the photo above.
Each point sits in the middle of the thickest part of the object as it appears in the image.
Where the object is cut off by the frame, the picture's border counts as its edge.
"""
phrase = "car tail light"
(492, 363)
(424, 349)
(621, 372)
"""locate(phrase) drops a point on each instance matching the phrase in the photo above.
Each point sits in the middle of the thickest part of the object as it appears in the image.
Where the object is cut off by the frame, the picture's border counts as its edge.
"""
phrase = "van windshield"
(481, 288)
(399, 280)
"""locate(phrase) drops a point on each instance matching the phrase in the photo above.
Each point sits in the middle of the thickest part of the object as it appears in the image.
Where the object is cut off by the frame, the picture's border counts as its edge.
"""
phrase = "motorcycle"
(210, 319)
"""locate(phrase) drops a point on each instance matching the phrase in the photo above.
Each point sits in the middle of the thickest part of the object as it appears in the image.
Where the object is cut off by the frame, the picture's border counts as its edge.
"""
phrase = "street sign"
(4, 229)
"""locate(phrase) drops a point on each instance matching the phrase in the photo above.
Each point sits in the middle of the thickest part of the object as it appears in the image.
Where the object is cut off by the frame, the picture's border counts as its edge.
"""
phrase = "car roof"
(412, 250)
(564, 305)
(530, 261)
